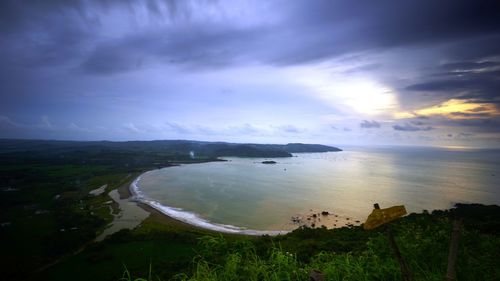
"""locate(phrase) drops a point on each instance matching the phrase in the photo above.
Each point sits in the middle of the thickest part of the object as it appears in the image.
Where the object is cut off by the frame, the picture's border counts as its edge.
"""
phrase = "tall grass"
(423, 244)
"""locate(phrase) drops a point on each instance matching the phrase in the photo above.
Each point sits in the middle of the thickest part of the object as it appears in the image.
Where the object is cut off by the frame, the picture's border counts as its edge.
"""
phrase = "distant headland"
(180, 148)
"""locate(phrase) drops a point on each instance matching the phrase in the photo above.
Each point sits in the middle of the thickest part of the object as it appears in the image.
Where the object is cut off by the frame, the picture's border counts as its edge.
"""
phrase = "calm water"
(247, 194)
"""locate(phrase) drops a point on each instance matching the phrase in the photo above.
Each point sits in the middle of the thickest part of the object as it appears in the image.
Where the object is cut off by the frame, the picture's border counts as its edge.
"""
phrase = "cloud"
(109, 59)
(178, 128)
(131, 127)
(245, 129)
(491, 125)
(157, 56)
(201, 130)
(417, 123)
(470, 115)
(338, 27)
(46, 124)
(456, 109)
(369, 124)
(204, 34)
(411, 128)
(467, 66)
(73, 126)
(463, 83)
(289, 129)
(6, 122)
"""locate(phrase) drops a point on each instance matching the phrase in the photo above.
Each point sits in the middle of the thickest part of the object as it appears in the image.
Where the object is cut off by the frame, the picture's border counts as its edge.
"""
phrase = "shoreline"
(169, 215)
(125, 193)
(173, 216)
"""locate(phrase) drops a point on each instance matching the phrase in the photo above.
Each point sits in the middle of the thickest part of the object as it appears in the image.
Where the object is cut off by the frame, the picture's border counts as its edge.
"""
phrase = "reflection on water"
(246, 193)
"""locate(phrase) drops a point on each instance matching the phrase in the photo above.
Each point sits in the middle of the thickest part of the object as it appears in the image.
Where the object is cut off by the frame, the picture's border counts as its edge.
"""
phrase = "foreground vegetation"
(353, 253)
(154, 251)
(49, 222)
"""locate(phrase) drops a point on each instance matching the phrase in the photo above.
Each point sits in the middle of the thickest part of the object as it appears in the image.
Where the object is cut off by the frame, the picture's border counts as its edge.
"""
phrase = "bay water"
(243, 194)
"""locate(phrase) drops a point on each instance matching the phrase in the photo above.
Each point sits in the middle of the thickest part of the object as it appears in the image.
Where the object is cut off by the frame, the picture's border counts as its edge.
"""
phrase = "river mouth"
(243, 195)
(129, 217)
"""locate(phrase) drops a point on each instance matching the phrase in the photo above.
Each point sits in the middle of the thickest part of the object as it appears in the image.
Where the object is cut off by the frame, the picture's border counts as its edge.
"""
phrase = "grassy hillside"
(179, 252)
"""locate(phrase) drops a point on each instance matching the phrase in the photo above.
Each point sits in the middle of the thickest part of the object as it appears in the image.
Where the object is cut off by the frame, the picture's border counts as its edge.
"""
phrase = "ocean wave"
(193, 218)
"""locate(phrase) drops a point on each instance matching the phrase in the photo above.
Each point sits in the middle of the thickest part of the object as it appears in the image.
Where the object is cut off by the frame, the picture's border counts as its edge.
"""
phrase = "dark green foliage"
(300, 147)
(249, 151)
(352, 253)
(305, 242)
(423, 241)
(136, 153)
(45, 210)
(485, 219)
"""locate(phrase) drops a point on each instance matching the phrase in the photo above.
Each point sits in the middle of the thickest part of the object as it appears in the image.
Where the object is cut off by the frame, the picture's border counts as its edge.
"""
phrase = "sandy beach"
(125, 193)
(312, 218)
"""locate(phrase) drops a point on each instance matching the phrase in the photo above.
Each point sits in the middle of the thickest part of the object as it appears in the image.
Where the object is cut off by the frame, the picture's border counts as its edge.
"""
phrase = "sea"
(243, 195)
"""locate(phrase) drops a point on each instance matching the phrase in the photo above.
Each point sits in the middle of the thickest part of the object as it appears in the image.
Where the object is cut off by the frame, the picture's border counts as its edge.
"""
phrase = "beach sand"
(154, 214)
(125, 191)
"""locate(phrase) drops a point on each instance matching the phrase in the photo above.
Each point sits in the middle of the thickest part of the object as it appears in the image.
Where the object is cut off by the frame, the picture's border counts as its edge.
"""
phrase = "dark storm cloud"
(462, 75)
(369, 124)
(108, 59)
(15, 14)
(475, 48)
(449, 48)
(199, 47)
(464, 80)
(477, 123)
(484, 125)
(38, 34)
(307, 31)
(470, 115)
(42, 33)
(470, 65)
(333, 27)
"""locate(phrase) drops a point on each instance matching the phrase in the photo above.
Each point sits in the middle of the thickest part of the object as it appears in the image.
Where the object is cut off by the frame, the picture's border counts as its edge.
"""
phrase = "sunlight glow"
(454, 109)
(358, 94)
(366, 97)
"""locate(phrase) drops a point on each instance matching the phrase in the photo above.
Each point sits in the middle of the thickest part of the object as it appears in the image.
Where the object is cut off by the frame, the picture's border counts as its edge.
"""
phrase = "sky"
(382, 72)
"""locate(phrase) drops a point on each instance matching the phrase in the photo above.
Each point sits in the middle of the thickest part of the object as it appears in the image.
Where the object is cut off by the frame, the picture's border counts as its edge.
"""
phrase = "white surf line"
(192, 218)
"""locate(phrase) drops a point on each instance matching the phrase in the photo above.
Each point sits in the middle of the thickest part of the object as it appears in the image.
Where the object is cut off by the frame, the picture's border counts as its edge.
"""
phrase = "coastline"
(125, 193)
(179, 218)
(168, 215)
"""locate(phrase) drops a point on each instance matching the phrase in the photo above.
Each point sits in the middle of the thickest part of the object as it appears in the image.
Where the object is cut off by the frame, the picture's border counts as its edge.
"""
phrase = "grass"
(158, 251)
(423, 240)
